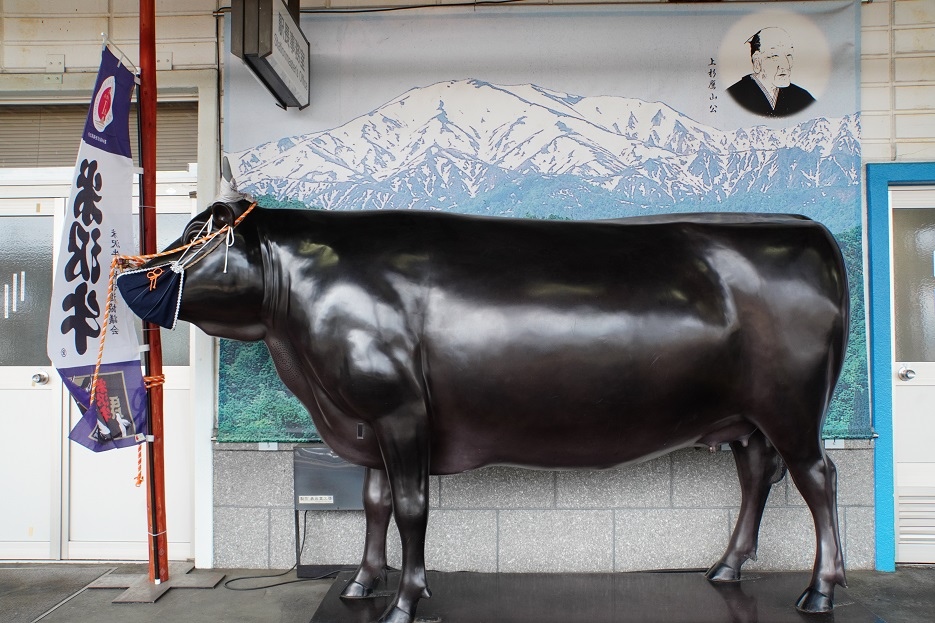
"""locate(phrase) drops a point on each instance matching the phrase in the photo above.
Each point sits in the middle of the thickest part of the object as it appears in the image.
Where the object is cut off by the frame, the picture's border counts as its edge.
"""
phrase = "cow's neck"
(275, 303)
(272, 280)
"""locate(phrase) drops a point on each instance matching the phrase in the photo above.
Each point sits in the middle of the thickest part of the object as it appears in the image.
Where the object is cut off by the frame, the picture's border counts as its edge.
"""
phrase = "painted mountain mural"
(524, 150)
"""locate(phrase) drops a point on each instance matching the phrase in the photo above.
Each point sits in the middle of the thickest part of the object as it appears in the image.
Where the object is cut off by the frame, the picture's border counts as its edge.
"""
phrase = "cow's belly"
(564, 390)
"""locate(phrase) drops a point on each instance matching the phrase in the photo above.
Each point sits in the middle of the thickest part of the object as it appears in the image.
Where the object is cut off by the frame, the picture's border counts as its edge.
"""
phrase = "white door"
(60, 500)
(912, 213)
(31, 390)
(106, 510)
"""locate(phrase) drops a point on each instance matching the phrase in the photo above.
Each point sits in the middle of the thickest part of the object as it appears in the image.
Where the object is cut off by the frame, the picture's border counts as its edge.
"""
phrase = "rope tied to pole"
(138, 481)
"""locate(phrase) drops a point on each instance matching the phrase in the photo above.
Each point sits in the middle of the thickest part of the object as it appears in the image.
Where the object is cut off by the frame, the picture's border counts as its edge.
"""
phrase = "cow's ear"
(222, 214)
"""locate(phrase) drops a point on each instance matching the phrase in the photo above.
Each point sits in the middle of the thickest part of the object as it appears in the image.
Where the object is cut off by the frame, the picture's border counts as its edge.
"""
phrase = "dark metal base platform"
(140, 590)
(684, 597)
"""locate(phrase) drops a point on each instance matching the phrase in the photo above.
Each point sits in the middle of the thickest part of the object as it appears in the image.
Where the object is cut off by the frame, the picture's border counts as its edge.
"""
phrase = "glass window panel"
(914, 283)
(26, 278)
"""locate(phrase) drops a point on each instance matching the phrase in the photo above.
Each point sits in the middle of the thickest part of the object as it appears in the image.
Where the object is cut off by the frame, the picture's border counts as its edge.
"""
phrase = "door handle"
(40, 378)
(906, 374)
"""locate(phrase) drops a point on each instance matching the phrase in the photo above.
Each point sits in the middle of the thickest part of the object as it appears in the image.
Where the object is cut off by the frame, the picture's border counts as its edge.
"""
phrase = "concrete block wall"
(674, 512)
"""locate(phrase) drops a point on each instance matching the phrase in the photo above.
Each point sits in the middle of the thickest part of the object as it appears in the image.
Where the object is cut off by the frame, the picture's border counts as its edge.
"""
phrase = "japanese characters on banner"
(98, 226)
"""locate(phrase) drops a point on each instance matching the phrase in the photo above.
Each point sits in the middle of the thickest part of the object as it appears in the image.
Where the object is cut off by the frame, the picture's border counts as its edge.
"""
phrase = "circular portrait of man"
(768, 90)
(777, 73)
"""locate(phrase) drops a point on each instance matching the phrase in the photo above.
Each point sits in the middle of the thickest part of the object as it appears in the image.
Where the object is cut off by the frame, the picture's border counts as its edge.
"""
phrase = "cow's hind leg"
(378, 508)
(815, 476)
(758, 467)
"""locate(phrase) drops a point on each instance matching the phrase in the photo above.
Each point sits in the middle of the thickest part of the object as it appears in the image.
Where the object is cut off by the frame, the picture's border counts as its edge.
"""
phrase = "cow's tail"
(841, 292)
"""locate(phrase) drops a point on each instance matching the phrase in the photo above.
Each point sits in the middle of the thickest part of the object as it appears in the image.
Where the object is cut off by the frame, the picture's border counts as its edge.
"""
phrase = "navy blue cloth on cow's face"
(154, 293)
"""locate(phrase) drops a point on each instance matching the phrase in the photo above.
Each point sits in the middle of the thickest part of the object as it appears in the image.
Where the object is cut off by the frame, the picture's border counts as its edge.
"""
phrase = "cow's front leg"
(378, 507)
(404, 442)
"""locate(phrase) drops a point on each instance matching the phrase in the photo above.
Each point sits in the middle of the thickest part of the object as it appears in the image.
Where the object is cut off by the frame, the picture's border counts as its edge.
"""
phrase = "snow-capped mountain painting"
(552, 112)
(525, 150)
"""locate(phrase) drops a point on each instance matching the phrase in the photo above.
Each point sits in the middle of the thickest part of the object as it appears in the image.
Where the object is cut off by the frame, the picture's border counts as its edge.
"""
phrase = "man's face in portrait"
(773, 61)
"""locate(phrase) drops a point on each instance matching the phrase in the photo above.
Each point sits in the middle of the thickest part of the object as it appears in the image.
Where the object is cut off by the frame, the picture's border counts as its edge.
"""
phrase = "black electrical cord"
(325, 576)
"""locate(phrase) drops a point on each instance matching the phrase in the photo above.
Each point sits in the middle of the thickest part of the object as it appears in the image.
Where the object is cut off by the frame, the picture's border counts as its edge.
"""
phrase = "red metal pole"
(156, 507)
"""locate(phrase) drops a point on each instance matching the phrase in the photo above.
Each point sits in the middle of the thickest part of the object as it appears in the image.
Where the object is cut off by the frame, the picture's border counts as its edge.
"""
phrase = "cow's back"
(615, 340)
(620, 340)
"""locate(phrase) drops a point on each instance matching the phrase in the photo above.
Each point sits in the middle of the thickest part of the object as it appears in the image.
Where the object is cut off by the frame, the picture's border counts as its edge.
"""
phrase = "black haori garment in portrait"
(791, 99)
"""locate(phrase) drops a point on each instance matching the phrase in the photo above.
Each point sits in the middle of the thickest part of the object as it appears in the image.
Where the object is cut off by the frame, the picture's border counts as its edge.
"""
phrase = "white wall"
(32, 31)
(49, 51)
(898, 80)
(897, 55)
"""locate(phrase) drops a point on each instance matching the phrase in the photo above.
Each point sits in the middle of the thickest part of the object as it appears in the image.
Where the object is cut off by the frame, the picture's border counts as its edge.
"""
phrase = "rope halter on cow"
(153, 278)
(154, 293)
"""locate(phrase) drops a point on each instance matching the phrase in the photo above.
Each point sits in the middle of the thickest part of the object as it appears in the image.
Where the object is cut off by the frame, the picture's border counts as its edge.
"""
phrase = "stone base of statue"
(644, 597)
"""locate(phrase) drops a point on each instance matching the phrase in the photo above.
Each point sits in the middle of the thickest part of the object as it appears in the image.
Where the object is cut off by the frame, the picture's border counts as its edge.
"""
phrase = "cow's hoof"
(356, 590)
(814, 602)
(395, 615)
(721, 572)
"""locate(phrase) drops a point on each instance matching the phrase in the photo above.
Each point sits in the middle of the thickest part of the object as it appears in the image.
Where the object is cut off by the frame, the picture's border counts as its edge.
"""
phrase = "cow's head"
(218, 281)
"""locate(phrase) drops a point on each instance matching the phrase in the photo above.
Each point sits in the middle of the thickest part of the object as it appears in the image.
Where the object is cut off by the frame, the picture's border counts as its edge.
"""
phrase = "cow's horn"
(226, 173)
(227, 188)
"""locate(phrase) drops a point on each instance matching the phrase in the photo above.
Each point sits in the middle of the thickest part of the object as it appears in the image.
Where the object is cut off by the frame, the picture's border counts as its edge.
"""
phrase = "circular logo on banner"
(102, 113)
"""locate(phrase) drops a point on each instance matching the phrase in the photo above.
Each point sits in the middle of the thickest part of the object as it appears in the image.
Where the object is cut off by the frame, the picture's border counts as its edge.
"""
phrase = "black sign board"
(267, 36)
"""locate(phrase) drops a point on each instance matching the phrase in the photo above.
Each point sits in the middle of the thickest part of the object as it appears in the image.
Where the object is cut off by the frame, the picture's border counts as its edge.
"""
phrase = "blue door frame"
(880, 177)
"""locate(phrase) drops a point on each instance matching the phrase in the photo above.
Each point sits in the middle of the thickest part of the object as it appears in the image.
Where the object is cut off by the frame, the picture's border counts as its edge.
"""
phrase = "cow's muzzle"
(154, 293)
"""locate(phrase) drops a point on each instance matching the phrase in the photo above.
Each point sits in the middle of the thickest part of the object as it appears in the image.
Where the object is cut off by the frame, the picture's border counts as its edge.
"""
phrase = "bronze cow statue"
(432, 343)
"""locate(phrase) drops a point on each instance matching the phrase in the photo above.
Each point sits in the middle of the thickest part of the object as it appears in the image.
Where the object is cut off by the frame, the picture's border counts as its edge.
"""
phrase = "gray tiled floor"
(56, 591)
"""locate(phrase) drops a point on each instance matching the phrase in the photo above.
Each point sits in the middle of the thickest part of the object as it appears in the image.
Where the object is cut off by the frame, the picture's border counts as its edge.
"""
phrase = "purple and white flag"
(98, 225)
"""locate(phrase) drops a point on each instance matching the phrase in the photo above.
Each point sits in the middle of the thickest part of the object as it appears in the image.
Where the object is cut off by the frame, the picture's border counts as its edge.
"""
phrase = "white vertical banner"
(98, 226)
